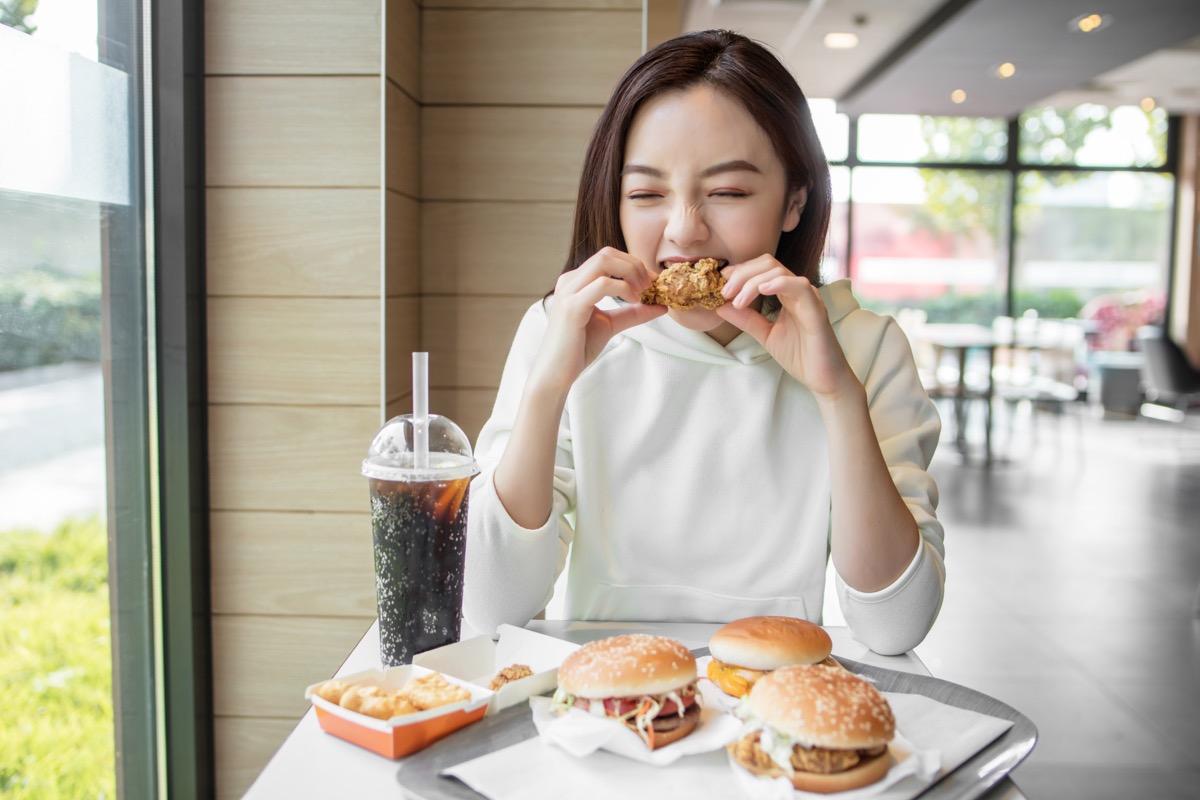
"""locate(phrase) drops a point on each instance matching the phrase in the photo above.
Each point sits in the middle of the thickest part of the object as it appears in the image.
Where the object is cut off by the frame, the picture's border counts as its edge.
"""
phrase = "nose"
(686, 226)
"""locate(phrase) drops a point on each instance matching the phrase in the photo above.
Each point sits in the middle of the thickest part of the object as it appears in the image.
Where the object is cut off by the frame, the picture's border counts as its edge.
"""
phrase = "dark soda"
(420, 532)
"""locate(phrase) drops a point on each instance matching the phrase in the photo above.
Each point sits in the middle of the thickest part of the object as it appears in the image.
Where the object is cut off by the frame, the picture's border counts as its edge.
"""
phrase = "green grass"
(56, 719)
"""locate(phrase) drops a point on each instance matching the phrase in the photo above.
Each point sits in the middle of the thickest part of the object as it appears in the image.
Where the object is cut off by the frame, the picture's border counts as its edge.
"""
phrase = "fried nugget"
(433, 690)
(354, 698)
(332, 690)
(685, 286)
(509, 674)
(386, 706)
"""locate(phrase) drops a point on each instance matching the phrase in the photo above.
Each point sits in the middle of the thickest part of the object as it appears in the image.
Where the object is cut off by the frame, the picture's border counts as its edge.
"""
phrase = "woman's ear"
(795, 207)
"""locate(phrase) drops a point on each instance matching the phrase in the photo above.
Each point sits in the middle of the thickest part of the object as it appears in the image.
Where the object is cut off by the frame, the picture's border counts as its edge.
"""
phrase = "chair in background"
(1172, 384)
(1038, 367)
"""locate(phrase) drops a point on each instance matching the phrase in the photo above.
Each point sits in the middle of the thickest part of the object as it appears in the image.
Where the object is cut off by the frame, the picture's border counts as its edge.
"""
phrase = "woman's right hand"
(577, 331)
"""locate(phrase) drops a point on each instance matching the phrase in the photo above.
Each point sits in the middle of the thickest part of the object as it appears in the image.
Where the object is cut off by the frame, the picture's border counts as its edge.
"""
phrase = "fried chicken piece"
(509, 674)
(433, 690)
(748, 752)
(685, 286)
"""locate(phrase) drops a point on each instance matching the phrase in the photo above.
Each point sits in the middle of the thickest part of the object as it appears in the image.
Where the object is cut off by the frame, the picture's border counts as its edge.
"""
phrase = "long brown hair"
(747, 72)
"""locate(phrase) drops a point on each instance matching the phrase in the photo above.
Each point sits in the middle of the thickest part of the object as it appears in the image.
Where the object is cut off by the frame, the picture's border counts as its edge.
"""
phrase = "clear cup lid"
(392, 455)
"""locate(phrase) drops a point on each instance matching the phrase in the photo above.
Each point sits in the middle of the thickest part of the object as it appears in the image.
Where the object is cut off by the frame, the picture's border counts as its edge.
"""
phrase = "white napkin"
(581, 734)
(933, 732)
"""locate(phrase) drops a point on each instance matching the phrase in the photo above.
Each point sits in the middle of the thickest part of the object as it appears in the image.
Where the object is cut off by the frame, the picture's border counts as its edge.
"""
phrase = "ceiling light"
(958, 96)
(1006, 70)
(1148, 104)
(841, 40)
(1090, 23)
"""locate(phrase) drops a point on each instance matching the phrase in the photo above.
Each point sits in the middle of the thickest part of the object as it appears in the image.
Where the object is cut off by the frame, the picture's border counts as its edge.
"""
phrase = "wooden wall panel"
(503, 153)
(402, 49)
(282, 458)
(261, 664)
(468, 337)
(280, 350)
(294, 242)
(328, 569)
(472, 407)
(403, 143)
(402, 246)
(485, 56)
(281, 37)
(243, 746)
(292, 131)
(402, 339)
(512, 249)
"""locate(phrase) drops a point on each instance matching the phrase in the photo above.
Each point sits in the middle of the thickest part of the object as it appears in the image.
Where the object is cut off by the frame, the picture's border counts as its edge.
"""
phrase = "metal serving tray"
(419, 774)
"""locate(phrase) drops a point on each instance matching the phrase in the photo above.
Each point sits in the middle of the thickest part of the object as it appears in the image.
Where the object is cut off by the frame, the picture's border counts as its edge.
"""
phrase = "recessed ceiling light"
(841, 40)
(1090, 23)
(1006, 70)
(958, 96)
(1148, 104)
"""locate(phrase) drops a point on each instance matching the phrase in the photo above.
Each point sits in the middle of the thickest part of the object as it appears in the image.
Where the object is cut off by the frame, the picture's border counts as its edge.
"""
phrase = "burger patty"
(669, 722)
(820, 760)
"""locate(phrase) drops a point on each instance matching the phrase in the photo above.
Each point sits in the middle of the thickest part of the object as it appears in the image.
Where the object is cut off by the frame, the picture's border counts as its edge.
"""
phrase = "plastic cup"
(419, 525)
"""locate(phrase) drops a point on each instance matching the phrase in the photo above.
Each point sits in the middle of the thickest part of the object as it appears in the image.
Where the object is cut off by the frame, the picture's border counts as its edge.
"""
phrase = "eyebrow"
(716, 169)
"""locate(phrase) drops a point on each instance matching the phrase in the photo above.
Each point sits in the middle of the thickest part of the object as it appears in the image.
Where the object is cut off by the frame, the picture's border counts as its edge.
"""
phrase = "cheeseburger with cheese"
(823, 728)
(646, 682)
(747, 649)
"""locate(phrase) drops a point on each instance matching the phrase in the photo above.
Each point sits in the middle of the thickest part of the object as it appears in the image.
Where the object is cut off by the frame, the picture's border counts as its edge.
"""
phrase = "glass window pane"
(1093, 136)
(833, 267)
(70, 215)
(917, 139)
(1094, 245)
(930, 239)
(833, 129)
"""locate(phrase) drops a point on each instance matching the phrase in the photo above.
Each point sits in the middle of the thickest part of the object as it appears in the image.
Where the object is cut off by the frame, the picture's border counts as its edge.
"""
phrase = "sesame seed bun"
(823, 707)
(766, 643)
(627, 666)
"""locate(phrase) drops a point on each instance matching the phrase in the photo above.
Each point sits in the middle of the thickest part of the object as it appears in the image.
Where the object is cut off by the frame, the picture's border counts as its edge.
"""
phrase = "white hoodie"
(692, 482)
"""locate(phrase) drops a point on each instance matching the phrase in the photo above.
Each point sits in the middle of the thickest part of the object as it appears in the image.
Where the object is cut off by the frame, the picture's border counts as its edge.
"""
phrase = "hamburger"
(648, 683)
(747, 649)
(824, 728)
(686, 285)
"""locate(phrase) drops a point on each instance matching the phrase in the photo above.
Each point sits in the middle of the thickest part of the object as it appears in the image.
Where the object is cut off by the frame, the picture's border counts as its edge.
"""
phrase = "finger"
(616, 263)
(750, 290)
(626, 317)
(748, 320)
(737, 274)
(603, 287)
(796, 294)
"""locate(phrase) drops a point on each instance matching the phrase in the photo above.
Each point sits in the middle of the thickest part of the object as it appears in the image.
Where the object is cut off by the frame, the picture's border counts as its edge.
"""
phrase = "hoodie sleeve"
(897, 618)
(510, 570)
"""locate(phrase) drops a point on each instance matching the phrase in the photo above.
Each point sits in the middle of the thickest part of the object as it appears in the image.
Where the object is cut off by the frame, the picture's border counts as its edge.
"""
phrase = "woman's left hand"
(800, 338)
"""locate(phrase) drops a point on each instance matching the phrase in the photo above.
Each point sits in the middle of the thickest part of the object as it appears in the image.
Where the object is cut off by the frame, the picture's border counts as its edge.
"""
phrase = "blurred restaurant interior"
(244, 218)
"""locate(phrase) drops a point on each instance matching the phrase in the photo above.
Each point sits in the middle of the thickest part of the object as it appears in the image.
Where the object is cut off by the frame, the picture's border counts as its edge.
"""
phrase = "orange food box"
(404, 734)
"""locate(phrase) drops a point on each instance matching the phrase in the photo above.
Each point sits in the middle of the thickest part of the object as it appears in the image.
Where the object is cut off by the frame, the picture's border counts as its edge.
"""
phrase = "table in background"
(313, 764)
(960, 339)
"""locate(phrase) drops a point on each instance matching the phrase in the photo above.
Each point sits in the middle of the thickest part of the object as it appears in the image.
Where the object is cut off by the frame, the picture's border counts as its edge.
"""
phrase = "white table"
(313, 764)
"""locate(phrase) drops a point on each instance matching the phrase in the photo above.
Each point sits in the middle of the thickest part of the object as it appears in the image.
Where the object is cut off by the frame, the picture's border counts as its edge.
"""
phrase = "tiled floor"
(1073, 566)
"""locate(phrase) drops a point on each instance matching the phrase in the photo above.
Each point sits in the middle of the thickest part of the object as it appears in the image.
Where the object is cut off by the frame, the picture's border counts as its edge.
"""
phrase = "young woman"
(703, 465)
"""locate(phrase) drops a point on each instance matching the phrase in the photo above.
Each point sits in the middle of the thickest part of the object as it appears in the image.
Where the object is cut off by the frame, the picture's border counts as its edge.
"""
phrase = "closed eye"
(730, 193)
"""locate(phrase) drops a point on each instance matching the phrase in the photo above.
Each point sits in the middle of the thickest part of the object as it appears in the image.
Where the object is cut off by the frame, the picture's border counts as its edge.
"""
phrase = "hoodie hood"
(665, 335)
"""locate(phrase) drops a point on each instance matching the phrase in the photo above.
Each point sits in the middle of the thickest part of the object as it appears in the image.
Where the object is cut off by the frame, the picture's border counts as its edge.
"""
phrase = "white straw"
(420, 366)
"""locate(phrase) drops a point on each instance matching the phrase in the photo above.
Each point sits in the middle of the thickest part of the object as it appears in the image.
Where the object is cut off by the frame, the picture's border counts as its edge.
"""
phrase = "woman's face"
(702, 180)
